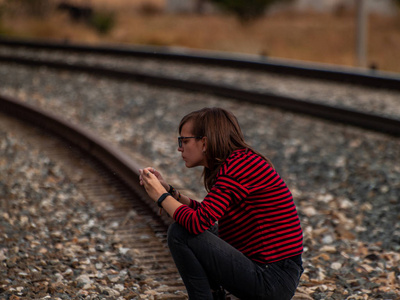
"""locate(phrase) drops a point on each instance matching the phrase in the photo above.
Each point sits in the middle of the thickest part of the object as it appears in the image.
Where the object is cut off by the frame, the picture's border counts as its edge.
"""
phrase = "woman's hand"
(153, 182)
(155, 186)
(159, 177)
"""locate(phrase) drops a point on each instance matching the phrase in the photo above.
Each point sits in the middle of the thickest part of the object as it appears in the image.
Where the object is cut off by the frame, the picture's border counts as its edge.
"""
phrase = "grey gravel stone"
(345, 180)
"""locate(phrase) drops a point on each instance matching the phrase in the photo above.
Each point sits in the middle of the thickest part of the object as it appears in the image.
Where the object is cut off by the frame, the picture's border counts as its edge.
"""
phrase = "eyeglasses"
(186, 137)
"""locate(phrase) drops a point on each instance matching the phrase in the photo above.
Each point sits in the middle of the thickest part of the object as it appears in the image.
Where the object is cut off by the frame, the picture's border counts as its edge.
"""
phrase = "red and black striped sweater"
(254, 209)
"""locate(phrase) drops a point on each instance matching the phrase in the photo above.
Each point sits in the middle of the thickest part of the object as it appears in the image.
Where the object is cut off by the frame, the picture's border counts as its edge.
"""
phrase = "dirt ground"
(317, 37)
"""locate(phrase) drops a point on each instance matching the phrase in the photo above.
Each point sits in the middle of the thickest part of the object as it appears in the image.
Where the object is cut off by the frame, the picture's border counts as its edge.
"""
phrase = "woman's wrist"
(171, 190)
(162, 198)
(174, 193)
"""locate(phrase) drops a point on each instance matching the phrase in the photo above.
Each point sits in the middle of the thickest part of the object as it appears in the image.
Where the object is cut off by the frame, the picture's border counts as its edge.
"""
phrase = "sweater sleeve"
(194, 204)
(226, 191)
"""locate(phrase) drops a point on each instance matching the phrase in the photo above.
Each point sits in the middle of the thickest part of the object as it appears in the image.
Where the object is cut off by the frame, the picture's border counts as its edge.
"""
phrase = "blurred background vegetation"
(274, 28)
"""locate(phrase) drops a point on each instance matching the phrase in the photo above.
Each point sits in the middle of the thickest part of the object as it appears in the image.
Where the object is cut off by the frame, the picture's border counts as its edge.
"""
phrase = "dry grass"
(325, 38)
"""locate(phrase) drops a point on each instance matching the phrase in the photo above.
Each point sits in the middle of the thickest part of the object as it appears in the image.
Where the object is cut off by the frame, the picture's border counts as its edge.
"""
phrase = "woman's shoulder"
(243, 154)
(242, 157)
(238, 154)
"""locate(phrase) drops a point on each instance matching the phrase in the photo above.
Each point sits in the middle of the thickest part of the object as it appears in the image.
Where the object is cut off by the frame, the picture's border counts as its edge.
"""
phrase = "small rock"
(336, 265)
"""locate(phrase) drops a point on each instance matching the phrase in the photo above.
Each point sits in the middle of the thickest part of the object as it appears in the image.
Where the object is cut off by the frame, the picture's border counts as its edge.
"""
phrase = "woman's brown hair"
(223, 137)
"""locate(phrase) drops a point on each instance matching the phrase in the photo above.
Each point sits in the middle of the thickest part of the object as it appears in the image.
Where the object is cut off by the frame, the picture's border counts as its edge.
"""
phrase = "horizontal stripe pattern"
(254, 208)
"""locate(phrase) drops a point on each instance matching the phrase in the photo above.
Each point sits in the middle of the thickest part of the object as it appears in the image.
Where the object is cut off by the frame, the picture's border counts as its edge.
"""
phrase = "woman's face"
(193, 150)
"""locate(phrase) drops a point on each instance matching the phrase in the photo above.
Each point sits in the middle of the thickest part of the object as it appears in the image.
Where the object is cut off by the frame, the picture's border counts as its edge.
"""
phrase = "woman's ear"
(204, 140)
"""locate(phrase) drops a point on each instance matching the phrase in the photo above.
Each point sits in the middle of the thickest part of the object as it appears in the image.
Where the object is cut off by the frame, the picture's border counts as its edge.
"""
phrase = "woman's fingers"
(148, 171)
(147, 178)
(151, 182)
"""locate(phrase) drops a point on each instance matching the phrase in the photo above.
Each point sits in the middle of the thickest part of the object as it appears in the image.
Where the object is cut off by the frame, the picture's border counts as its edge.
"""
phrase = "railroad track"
(263, 64)
(339, 164)
(109, 182)
(340, 114)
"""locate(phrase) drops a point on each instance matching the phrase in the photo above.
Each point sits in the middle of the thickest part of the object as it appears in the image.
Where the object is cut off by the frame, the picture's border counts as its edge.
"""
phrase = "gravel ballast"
(345, 180)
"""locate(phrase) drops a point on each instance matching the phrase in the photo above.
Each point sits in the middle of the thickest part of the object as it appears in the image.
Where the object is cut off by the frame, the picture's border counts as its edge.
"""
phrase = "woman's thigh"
(228, 267)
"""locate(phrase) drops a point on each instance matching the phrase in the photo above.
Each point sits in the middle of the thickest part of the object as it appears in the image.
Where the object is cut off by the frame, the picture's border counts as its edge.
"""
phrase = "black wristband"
(162, 198)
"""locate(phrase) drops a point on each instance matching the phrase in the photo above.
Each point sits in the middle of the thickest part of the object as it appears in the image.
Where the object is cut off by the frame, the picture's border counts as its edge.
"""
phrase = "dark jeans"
(206, 262)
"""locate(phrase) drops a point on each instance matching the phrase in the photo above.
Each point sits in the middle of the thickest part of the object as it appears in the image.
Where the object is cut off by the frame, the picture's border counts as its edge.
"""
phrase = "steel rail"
(370, 78)
(111, 157)
(336, 114)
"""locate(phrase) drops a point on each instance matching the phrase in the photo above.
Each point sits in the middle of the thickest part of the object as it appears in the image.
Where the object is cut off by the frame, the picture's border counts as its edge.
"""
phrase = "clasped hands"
(153, 182)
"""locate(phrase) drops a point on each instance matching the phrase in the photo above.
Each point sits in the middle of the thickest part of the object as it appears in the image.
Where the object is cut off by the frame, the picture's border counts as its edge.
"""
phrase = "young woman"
(256, 253)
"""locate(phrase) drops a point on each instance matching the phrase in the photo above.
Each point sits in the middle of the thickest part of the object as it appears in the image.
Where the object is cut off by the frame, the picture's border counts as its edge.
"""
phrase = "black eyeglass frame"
(180, 138)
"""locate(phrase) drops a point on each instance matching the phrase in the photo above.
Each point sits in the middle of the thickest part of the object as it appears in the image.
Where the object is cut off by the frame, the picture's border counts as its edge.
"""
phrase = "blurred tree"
(247, 10)
(103, 22)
